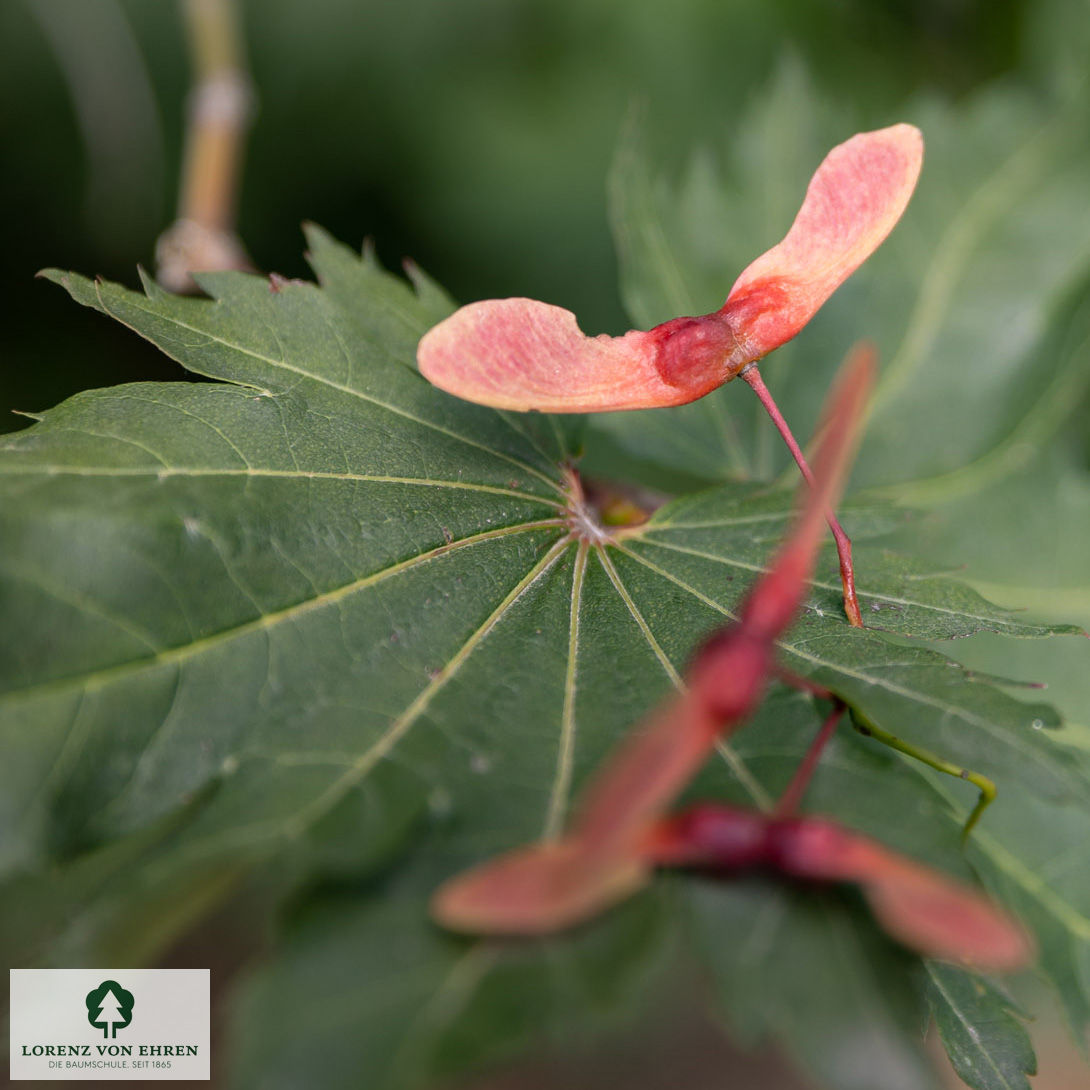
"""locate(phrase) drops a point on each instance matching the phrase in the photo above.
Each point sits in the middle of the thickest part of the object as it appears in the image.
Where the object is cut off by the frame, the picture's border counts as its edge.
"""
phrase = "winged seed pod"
(523, 354)
(549, 886)
(620, 834)
(924, 909)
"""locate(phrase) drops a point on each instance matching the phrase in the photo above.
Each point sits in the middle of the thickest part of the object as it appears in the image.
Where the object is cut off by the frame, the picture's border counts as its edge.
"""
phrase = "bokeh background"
(474, 136)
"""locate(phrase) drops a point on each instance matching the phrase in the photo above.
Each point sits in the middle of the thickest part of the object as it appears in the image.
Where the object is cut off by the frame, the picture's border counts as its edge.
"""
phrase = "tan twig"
(203, 236)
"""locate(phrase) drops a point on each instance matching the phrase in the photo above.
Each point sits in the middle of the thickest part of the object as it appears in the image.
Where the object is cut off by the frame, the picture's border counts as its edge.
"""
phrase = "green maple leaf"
(318, 618)
(989, 1048)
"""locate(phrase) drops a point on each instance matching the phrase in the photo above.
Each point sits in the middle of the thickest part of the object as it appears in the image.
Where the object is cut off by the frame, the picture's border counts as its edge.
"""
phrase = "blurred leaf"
(1055, 43)
(423, 1006)
(979, 293)
(797, 966)
(1037, 558)
(1003, 532)
(988, 1047)
(287, 622)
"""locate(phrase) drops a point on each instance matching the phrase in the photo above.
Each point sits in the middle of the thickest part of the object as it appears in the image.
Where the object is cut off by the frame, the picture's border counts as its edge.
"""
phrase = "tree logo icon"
(109, 1007)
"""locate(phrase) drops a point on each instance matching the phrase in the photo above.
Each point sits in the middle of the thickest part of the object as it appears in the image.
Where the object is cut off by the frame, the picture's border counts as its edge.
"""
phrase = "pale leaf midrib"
(168, 471)
(981, 1053)
(296, 825)
(864, 591)
(560, 793)
(180, 653)
(877, 681)
(1073, 920)
(1055, 402)
(725, 750)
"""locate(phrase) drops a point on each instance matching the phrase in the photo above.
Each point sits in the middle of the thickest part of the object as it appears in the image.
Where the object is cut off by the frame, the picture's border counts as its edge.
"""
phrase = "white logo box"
(166, 1035)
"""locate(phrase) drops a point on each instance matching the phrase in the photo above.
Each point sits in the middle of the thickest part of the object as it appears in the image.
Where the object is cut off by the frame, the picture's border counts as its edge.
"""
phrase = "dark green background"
(471, 135)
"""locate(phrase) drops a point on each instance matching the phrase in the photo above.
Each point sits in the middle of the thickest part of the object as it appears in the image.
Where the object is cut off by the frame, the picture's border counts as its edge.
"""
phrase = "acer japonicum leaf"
(523, 354)
(921, 907)
(551, 885)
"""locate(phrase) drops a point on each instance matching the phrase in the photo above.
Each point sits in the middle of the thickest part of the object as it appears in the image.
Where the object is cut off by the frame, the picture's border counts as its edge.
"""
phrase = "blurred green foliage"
(473, 136)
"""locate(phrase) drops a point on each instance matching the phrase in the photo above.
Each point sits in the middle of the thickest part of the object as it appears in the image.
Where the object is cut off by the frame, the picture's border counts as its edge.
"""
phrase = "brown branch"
(203, 236)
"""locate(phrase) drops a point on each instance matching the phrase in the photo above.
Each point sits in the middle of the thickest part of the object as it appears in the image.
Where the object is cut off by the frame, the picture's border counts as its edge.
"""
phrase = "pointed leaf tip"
(854, 200)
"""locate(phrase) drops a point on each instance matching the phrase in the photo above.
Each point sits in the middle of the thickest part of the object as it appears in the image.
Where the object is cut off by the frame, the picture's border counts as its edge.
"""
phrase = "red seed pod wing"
(522, 354)
(923, 908)
(536, 890)
(942, 918)
(853, 202)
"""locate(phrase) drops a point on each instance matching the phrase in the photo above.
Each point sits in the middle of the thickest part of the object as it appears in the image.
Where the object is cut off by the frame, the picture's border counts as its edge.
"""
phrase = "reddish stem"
(843, 542)
(790, 799)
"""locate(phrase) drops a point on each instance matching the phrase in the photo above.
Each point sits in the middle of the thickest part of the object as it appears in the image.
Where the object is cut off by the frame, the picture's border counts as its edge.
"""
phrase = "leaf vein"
(725, 750)
(561, 790)
(330, 383)
(105, 675)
